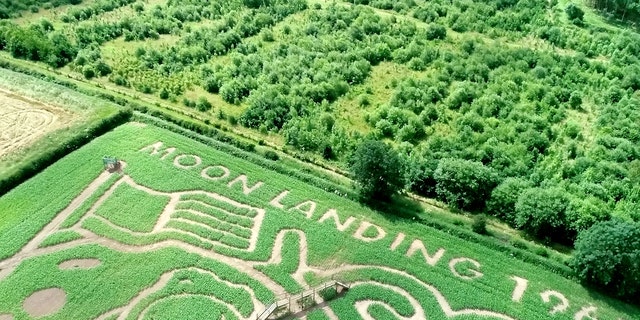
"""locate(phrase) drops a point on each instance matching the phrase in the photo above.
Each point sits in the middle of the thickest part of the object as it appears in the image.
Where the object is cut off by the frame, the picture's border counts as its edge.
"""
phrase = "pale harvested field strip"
(23, 121)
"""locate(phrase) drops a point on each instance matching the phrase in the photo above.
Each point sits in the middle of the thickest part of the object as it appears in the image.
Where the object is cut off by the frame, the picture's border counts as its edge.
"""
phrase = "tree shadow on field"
(397, 208)
(604, 297)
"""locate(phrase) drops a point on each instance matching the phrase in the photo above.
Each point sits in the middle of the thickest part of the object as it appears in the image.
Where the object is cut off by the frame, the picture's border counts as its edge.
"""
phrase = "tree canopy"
(607, 256)
(377, 170)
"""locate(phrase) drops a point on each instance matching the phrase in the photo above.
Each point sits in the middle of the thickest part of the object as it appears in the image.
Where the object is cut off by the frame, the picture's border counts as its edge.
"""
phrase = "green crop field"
(530, 99)
(187, 231)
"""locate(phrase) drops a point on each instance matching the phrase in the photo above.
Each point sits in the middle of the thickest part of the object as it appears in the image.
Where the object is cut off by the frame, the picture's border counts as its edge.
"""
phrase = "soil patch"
(6, 316)
(79, 264)
(45, 302)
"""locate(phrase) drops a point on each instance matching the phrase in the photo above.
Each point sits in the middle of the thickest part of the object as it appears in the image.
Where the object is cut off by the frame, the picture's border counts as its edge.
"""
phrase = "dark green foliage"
(464, 184)
(96, 8)
(606, 256)
(37, 43)
(575, 13)
(13, 8)
(102, 68)
(377, 170)
(327, 152)
(31, 44)
(479, 224)
(502, 203)
(203, 104)
(88, 72)
(164, 94)
(622, 9)
(271, 155)
(541, 212)
(420, 176)
(436, 31)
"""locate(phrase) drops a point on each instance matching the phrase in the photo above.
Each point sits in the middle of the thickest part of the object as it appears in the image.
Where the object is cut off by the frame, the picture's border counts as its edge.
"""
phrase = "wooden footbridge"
(301, 301)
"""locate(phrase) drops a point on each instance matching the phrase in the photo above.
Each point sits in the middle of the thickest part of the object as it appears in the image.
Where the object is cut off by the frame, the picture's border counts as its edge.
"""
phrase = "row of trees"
(96, 8)
(607, 250)
(37, 43)
(622, 9)
(14, 8)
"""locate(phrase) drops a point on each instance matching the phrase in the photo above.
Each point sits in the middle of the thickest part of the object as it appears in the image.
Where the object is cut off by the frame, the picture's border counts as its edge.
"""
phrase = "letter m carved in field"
(158, 148)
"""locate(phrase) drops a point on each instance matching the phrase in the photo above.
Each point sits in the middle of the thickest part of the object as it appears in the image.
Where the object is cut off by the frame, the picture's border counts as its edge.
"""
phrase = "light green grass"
(133, 209)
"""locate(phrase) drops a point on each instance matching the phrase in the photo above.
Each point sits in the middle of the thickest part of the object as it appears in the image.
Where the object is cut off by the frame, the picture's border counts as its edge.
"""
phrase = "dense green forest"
(526, 110)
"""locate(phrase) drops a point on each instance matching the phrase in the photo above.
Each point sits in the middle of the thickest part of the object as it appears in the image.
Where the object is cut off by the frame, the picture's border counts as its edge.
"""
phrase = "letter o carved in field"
(219, 172)
(180, 160)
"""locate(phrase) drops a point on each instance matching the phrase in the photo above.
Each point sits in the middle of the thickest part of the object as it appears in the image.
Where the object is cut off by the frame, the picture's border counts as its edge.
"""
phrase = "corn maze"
(185, 231)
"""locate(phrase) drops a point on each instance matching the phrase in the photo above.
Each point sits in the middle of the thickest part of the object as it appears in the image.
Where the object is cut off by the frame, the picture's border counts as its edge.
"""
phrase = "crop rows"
(376, 268)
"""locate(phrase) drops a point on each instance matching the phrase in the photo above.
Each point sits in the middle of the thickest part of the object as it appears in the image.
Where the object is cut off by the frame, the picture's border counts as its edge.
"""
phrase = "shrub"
(203, 104)
(436, 31)
(271, 155)
(267, 36)
(188, 103)
(164, 94)
(464, 184)
(541, 252)
(88, 72)
(541, 213)
(102, 68)
(607, 256)
(479, 224)
(575, 14)
(502, 202)
(327, 152)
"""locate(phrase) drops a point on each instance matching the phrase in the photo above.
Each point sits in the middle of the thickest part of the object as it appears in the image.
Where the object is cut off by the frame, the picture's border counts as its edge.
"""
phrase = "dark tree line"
(622, 9)
(13, 8)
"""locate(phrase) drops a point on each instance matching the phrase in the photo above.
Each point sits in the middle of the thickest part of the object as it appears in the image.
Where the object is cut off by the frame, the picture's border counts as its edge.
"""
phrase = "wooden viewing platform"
(301, 301)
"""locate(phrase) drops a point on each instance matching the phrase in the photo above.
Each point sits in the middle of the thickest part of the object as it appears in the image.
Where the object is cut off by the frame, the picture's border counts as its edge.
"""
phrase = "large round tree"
(607, 255)
(541, 213)
(377, 170)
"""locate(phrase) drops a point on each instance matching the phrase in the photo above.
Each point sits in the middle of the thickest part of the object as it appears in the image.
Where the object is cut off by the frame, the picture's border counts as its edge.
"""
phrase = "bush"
(607, 256)
(502, 203)
(203, 104)
(541, 252)
(88, 72)
(575, 14)
(327, 152)
(479, 224)
(271, 155)
(464, 184)
(436, 31)
(164, 94)
(541, 213)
